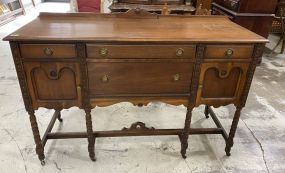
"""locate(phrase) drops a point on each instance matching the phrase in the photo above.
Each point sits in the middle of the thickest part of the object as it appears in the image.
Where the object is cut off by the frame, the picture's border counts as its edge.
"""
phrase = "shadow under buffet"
(89, 60)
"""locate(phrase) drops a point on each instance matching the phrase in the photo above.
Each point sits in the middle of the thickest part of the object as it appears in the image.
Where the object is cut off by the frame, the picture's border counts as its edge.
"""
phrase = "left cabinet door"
(54, 84)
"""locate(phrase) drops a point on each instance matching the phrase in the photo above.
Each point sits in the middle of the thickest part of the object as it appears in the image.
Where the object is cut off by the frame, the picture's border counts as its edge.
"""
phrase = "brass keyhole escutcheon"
(103, 52)
(53, 74)
(229, 52)
(105, 78)
(176, 77)
(48, 51)
(223, 72)
(179, 52)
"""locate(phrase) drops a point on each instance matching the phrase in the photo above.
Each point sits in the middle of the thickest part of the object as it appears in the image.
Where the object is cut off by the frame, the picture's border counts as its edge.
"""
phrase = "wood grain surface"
(119, 27)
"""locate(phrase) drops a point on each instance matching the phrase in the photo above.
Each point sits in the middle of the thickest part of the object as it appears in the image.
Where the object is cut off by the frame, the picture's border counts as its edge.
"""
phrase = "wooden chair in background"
(85, 6)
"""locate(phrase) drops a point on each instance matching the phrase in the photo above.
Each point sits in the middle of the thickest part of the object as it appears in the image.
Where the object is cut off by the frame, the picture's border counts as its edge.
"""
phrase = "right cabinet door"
(221, 83)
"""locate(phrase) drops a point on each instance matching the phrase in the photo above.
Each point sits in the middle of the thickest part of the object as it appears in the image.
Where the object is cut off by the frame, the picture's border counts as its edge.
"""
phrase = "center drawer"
(140, 51)
(139, 78)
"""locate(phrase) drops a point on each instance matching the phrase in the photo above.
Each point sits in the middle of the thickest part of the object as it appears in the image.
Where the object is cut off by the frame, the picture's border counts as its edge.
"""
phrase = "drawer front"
(48, 50)
(140, 51)
(139, 78)
(229, 51)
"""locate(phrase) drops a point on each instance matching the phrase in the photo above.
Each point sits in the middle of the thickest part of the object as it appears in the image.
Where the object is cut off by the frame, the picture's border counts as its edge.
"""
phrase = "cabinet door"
(53, 84)
(221, 83)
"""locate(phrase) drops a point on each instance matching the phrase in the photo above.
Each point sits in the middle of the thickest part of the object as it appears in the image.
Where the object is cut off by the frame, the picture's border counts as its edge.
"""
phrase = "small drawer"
(48, 50)
(140, 51)
(229, 51)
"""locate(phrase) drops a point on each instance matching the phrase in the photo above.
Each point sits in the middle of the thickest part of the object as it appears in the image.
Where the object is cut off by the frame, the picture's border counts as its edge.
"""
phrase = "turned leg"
(230, 140)
(206, 112)
(283, 47)
(91, 138)
(59, 116)
(185, 133)
(37, 137)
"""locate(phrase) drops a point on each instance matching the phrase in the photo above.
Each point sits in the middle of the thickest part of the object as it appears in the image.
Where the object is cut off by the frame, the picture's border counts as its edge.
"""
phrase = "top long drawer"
(140, 51)
(48, 50)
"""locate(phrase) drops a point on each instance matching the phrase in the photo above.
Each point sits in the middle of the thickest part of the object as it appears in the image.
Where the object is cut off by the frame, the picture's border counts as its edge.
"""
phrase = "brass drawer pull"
(176, 77)
(229, 52)
(48, 51)
(103, 51)
(105, 78)
(179, 52)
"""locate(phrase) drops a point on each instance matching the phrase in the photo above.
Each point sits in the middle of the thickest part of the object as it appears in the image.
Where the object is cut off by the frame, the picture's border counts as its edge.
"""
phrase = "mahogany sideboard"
(88, 60)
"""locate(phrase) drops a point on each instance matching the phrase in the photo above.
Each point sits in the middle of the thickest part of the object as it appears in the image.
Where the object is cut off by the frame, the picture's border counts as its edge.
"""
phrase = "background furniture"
(255, 15)
(101, 59)
(279, 27)
(202, 11)
(174, 6)
(89, 6)
(206, 4)
(10, 9)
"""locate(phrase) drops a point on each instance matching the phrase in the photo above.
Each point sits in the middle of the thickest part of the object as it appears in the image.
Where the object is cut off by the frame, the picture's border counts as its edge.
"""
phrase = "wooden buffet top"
(118, 27)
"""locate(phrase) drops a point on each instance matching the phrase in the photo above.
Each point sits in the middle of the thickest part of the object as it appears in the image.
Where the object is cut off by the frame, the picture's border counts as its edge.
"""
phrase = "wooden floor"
(259, 143)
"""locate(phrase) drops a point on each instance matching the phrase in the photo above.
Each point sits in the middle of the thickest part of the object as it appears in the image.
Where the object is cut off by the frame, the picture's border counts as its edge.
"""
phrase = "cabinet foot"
(59, 117)
(43, 162)
(93, 159)
(228, 153)
(183, 154)
(91, 138)
(37, 137)
(185, 133)
(230, 140)
(206, 112)
(91, 149)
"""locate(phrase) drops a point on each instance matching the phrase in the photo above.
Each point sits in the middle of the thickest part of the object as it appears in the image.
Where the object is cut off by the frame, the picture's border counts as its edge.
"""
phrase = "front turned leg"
(206, 112)
(37, 137)
(185, 133)
(59, 116)
(91, 138)
(230, 140)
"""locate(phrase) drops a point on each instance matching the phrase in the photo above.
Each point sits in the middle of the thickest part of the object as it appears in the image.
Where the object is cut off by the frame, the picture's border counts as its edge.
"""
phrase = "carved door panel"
(221, 83)
(53, 83)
